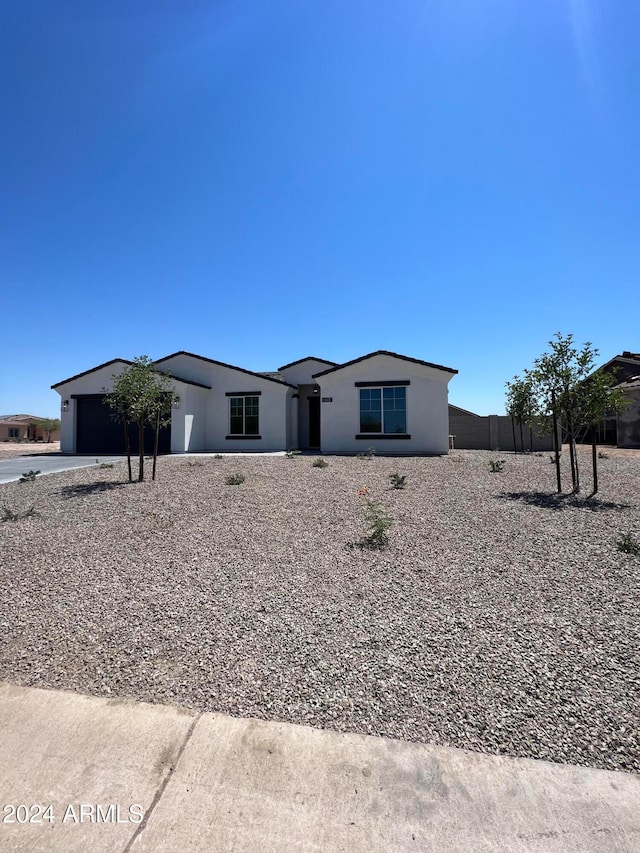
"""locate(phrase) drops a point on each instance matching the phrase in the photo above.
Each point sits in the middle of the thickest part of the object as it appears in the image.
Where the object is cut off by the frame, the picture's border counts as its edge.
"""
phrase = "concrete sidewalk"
(133, 777)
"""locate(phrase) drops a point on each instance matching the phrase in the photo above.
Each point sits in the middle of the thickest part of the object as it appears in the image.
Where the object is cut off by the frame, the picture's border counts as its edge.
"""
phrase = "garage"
(98, 432)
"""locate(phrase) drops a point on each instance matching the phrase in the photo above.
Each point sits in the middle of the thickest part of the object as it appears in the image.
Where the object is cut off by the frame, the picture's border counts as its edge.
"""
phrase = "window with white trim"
(244, 416)
(383, 410)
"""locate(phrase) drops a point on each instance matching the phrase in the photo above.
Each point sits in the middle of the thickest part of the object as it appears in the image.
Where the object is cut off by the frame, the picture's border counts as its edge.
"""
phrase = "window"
(14, 432)
(383, 410)
(243, 416)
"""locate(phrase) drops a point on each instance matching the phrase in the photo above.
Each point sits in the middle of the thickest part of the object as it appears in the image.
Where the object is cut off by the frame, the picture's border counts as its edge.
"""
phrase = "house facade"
(395, 403)
(25, 428)
(623, 430)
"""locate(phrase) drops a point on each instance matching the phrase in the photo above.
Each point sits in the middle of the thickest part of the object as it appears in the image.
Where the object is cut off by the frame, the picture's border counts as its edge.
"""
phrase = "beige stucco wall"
(427, 407)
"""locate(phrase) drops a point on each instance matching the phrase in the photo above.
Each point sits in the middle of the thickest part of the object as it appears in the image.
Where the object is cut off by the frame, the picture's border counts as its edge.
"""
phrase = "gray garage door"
(97, 432)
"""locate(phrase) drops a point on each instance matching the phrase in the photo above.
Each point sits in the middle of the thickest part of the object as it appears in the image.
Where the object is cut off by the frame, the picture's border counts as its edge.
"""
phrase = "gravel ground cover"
(11, 449)
(500, 618)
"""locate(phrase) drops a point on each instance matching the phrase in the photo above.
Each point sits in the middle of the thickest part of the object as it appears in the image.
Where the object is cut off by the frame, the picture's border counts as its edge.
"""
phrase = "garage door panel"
(98, 432)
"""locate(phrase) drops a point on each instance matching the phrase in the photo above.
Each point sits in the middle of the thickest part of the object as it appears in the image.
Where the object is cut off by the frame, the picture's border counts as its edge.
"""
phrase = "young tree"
(571, 393)
(521, 407)
(48, 426)
(141, 395)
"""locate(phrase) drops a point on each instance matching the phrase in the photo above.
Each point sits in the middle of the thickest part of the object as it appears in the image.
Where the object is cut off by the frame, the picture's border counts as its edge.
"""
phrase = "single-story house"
(25, 428)
(623, 430)
(392, 402)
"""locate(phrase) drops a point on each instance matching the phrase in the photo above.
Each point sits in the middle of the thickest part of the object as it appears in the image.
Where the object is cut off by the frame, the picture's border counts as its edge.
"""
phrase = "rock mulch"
(499, 619)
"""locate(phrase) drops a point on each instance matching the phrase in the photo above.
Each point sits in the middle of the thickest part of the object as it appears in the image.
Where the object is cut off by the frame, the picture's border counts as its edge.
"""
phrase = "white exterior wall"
(301, 374)
(97, 382)
(215, 406)
(427, 407)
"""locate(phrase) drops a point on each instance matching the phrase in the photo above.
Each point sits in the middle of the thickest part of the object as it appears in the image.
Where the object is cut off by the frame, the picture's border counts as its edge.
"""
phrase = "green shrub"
(9, 515)
(234, 479)
(218, 456)
(398, 481)
(378, 523)
(195, 462)
(292, 452)
(320, 463)
(29, 477)
(496, 465)
(627, 544)
(369, 453)
(107, 465)
(602, 455)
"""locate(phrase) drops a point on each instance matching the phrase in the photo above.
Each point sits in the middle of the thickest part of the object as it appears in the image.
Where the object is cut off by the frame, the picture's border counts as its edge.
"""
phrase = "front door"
(314, 422)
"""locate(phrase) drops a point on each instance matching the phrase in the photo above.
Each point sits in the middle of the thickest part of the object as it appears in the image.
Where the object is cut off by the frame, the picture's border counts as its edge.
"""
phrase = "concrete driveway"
(49, 463)
(80, 773)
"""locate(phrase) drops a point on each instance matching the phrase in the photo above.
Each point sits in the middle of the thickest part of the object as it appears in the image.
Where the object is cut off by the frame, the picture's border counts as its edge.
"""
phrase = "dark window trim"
(87, 396)
(243, 393)
(243, 437)
(382, 436)
(393, 384)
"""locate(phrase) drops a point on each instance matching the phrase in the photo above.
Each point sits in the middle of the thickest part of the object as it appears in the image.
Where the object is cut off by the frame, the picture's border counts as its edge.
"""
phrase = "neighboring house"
(623, 430)
(392, 402)
(24, 428)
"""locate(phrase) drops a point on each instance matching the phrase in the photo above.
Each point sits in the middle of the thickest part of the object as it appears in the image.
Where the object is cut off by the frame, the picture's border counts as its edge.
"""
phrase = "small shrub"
(29, 476)
(369, 453)
(107, 465)
(602, 455)
(627, 544)
(496, 465)
(378, 523)
(218, 456)
(9, 515)
(398, 481)
(194, 462)
(234, 479)
(292, 452)
(320, 463)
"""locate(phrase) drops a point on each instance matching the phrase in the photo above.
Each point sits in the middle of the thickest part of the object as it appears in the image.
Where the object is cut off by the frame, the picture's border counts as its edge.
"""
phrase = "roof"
(626, 356)
(462, 411)
(266, 377)
(124, 361)
(20, 419)
(385, 352)
(307, 358)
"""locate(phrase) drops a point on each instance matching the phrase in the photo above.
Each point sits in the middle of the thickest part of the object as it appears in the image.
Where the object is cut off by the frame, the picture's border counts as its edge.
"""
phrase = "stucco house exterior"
(623, 430)
(25, 428)
(395, 403)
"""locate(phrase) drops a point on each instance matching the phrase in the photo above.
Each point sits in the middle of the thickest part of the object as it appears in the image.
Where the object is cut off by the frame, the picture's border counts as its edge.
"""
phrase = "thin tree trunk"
(141, 447)
(530, 439)
(555, 442)
(521, 438)
(594, 459)
(513, 430)
(155, 446)
(127, 445)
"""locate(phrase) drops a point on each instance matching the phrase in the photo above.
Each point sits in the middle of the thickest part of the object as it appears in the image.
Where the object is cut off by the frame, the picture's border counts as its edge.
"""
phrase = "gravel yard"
(499, 619)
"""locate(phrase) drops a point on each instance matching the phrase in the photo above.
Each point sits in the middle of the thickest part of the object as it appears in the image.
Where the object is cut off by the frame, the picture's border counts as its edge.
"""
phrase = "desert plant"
(627, 544)
(218, 456)
(320, 463)
(106, 465)
(48, 425)
(369, 453)
(292, 452)
(398, 481)
(29, 476)
(603, 455)
(194, 462)
(9, 515)
(496, 465)
(378, 523)
(234, 479)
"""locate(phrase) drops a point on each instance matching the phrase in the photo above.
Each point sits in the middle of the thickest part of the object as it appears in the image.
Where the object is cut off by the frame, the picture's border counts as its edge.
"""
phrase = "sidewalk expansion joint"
(163, 785)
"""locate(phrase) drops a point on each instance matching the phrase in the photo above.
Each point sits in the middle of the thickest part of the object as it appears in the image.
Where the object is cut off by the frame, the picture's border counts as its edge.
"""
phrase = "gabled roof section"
(93, 370)
(392, 355)
(461, 411)
(308, 358)
(224, 364)
(186, 381)
(19, 419)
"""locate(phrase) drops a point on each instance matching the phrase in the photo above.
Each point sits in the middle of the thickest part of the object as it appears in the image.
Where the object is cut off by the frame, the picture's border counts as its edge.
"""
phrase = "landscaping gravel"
(499, 619)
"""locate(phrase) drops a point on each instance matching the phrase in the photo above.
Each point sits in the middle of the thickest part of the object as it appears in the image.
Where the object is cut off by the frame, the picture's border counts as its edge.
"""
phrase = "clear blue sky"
(259, 180)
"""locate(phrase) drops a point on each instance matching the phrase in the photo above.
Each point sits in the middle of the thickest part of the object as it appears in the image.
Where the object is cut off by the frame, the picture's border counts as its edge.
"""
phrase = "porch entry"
(314, 422)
